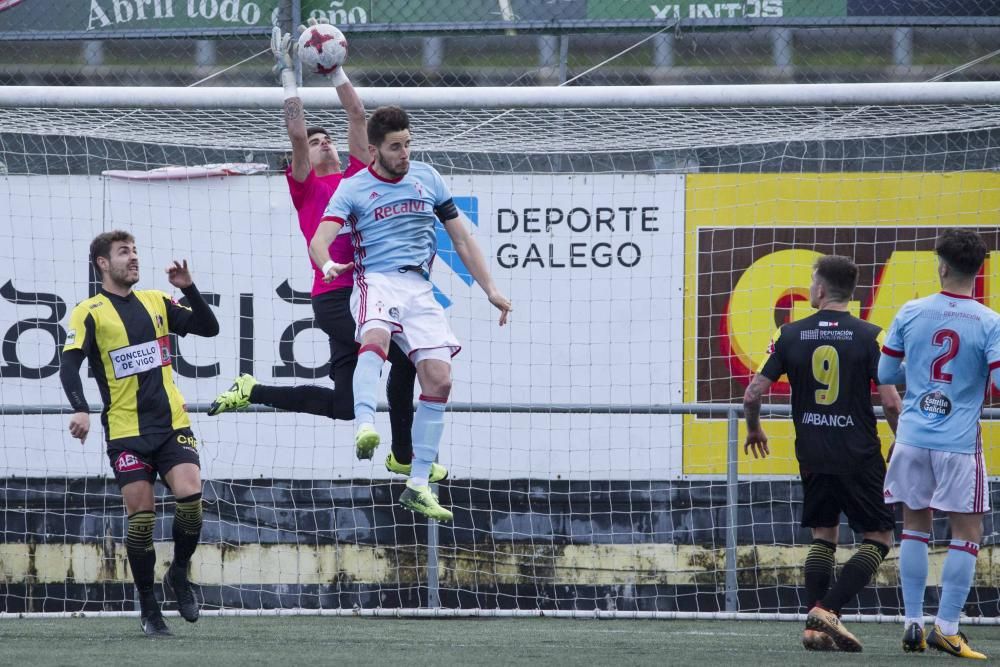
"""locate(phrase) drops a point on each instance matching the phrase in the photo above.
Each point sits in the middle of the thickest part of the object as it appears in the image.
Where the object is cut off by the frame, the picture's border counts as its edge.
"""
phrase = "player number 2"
(826, 370)
(940, 337)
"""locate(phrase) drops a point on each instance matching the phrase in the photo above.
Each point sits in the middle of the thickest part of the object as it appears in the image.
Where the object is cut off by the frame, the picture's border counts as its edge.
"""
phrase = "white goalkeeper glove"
(285, 50)
(338, 77)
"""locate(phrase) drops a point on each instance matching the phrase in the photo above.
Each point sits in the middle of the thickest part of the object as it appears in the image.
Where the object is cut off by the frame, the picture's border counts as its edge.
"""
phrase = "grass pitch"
(292, 641)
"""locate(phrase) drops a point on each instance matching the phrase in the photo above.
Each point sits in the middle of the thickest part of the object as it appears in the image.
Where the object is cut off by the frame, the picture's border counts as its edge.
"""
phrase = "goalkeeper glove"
(285, 50)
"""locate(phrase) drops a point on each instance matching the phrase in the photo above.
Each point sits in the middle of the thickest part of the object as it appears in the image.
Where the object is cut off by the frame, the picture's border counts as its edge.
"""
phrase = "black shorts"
(857, 495)
(129, 466)
(332, 312)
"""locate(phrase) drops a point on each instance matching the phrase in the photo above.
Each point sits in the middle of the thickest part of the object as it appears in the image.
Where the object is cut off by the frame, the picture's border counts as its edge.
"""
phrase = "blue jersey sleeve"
(441, 192)
(894, 345)
(341, 204)
(993, 353)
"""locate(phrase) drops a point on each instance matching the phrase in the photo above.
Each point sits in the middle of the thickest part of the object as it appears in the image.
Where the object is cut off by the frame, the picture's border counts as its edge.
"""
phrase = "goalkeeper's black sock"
(856, 574)
(819, 570)
(139, 547)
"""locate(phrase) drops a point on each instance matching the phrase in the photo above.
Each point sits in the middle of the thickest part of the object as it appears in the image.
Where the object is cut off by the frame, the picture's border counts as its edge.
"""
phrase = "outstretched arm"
(283, 47)
(357, 129)
(472, 257)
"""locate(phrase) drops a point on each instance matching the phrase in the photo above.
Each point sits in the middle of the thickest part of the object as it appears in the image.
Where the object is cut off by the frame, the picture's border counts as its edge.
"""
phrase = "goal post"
(651, 240)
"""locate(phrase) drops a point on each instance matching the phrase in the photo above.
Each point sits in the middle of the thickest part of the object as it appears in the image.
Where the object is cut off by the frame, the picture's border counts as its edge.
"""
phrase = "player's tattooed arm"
(295, 122)
(293, 111)
(756, 441)
(752, 400)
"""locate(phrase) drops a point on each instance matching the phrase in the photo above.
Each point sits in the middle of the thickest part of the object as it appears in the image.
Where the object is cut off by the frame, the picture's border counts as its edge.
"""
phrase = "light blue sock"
(956, 580)
(428, 425)
(913, 572)
(366, 373)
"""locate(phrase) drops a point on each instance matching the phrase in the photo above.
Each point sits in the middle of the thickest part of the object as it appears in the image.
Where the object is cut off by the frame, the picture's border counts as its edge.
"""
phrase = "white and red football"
(322, 48)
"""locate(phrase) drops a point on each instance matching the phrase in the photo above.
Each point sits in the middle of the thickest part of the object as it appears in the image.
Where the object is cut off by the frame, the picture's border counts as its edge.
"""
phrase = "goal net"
(651, 240)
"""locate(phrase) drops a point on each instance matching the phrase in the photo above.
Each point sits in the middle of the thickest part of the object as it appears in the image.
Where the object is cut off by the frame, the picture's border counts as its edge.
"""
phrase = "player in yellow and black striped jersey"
(124, 335)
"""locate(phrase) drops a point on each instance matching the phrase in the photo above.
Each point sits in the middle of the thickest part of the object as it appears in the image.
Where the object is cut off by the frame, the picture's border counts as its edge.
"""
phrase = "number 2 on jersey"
(826, 370)
(938, 373)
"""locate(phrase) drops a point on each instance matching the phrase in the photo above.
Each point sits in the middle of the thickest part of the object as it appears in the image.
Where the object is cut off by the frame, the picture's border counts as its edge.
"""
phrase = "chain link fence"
(505, 42)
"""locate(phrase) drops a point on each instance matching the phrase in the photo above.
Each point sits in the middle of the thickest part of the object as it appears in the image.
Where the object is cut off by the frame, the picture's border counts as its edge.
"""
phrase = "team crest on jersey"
(159, 321)
(419, 188)
(71, 336)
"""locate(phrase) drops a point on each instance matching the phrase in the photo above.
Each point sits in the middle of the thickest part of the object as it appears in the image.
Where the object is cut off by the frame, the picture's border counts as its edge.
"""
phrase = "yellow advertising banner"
(750, 243)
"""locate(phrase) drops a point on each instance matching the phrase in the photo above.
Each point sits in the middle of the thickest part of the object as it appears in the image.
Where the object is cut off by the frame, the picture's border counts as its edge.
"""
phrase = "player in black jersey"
(831, 360)
(125, 336)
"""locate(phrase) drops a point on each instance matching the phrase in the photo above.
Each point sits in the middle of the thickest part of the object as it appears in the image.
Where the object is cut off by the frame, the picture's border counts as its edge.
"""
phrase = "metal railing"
(732, 412)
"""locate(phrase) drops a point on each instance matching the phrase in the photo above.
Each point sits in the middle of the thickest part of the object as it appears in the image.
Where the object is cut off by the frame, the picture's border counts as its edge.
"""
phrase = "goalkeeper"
(313, 176)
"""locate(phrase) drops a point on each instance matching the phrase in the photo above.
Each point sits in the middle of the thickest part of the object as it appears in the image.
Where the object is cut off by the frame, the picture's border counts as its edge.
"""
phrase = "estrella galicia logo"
(446, 251)
(934, 404)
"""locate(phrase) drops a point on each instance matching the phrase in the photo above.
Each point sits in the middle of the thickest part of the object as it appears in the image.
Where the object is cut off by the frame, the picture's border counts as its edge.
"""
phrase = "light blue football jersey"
(950, 344)
(392, 221)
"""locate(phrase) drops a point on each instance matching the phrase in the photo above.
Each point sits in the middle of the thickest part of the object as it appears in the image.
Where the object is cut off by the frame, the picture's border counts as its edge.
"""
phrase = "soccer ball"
(322, 48)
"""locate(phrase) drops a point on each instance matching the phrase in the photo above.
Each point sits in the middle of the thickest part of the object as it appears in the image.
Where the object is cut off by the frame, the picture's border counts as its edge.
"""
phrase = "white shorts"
(403, 304)
(946, 481)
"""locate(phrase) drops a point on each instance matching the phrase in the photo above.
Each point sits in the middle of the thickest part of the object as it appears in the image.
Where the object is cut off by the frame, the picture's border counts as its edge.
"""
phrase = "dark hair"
(316, 129)
(839, 275)
(101, 245)
(385, 120)
(963, 250)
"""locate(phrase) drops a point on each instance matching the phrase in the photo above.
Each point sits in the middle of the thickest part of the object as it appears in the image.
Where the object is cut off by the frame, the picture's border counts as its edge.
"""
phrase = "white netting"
(647, 279)
(526, 131)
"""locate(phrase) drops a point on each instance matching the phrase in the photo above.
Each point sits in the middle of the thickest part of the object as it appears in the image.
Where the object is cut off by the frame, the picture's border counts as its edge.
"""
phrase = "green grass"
(292, 641)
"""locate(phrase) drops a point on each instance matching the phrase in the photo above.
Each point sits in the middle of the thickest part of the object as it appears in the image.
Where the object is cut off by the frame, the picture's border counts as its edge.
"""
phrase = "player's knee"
(374, 332)
(442, 388)
(883, 537)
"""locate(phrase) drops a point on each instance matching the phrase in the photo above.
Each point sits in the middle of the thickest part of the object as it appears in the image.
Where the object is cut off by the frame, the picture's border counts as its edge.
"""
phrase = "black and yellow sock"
(819, 570)
(187, 528)
(856, 574)
(139, 547)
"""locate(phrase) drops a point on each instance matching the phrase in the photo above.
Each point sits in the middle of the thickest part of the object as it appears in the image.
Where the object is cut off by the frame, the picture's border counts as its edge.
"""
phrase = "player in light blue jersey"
(392, 209)
(951, 345)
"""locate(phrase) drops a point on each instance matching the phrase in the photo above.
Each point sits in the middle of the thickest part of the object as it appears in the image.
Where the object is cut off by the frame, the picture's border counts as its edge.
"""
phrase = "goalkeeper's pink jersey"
(310, 198)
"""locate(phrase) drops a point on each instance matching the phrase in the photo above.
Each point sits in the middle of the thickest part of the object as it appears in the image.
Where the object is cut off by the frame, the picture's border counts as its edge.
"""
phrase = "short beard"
(122, 278)
(386, 169)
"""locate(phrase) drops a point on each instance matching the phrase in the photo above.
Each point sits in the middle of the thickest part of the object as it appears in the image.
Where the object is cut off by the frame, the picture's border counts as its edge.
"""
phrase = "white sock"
(910, 621)
(949, 628)
(417, 481)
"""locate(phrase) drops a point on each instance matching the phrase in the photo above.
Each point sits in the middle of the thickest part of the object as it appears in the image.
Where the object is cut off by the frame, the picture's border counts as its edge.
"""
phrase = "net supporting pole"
(732, 478)
(433, 580)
